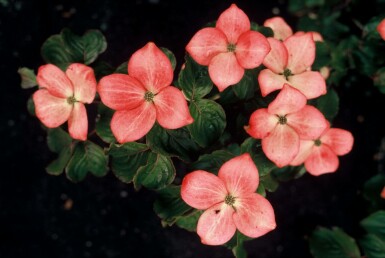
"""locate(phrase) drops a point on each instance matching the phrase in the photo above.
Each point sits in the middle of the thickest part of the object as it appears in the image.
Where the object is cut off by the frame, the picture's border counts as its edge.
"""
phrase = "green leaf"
(325, 243)
(57, 166)
(170, 55)
(127, 158)
(169, 205)
(56, 52)
(236, 245)
(209, 121)
(189, 222)
(375, 224)
(265, 31)
(379, 79)
(372, 190)
(123, 68)
(322, 56)
(28, 77)
(269, 182)
(373, 246)
(328, 104)
(174, 143)
(158, 173)
(87, 157)
(246, 88)
(212, 162)
(288, 173)
(194, 80)
(31, 106)
(58, 139)
(103, 121)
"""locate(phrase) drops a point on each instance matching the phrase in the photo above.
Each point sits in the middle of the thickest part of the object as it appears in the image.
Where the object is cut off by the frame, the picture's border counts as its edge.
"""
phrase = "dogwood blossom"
(381, 29)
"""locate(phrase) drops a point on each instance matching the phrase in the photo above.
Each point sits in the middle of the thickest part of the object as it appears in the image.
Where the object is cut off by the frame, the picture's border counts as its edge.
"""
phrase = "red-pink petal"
(288, 100)
(233, 22)
(270, 81)
(279, 26)
(151, 67)
(282, 145)
(310, 83)
(52, 111)
(171, 108)
(317, 36)
(55, 81)
(78, 122)
(381, 29)
(261, 123)
(340, 141)
(301, 50)
(216, 225)
(383, 193)
(322, 160)
(309, 123)
(224, 70)
(254, 215)
(121, 91)
(305, 149)
(201, 190)
(206, 44)
(131, 125)
(83, 81)
(251, 49)
(240, 175)
(276, 60)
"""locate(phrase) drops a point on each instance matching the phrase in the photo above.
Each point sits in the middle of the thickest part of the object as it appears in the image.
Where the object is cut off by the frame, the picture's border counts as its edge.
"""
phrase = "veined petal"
(201, 190)
(224, 70)
(171, 108)
(206, 44)
(251, 49)
(340, 141)
(51, 111)
(233, 22)
(276, 60)
(151, 67)
(310, 83)
(282, 145)
(301, 50)
(261, 123)
(322, 160)
(309, 123)
(279, 26)
(270, 81)
(288, 100)
(254, 215)
(240, 175)
(381, 29)
(131, 125)
(216, 225)
(55, 81)
(78, 122)
(305, 149)
(83, 81)
(121, 91)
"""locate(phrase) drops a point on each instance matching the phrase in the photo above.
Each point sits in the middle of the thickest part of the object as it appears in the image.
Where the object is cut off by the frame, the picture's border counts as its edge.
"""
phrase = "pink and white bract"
(381, 29)
(320, 155)
(229, 48)
(279, 26)
(61, 97)
(281, 126)
(144, 96)
(230, 201)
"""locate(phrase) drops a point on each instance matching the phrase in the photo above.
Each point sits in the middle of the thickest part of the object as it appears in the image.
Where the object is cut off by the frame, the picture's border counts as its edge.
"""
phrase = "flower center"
(230, 200)
(317, 142)
(71, 100)
(287, 73)
(149, 96)
(231, 47)
(282, 120)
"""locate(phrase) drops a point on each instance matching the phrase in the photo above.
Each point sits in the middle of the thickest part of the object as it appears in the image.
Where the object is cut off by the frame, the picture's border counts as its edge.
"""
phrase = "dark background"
(48, 216)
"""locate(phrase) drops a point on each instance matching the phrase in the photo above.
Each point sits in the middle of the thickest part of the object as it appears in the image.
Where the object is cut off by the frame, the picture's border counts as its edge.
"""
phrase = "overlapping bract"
(229, 201)
(62, 96)
(381, 29)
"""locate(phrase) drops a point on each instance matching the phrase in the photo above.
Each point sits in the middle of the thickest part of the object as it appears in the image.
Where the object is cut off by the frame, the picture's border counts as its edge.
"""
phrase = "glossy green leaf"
(123, 68)
(189, 222)
(31, 106)
(56, 52)
(288, 173)
(28, 77)
(194, 80)
(326, 243)
(322, 56)
(246, 88)
(236, 245)
(328, 104)
(58, 139)
(170, 56)
(269, 182)
(373, 246)
(265, 31)
(103, 121)
(375, 224)
(212, 162)
(209, 121)
(379, 79)
(57, 166)
(372, 191)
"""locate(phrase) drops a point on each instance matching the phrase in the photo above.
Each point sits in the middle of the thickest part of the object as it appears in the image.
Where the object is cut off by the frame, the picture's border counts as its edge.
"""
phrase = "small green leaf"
(375, 224)
(57, 166)
(94, 43)
(288, 173)
(209, 121)
(326, 243)
(269, 182)
(31, 106)
(103, 121)
(56, 52)
(236, 245)
(123, 68)
(265, 31)
(246, 88)
(212, 162)
(322, 56)
(170, 55)
(189, 222)
(58, 139)
(328, 104)
(28, 77)
(373, 246)
(372, 191)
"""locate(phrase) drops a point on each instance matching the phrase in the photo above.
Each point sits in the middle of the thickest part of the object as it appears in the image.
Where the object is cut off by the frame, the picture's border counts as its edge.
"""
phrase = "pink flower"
(289, 62)
(230, 201)
(61, 97)
(281, 126)
(381, 29)
(279, 26)
(144, 96)
(383, 193)
(320, 153)
(229, 48)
